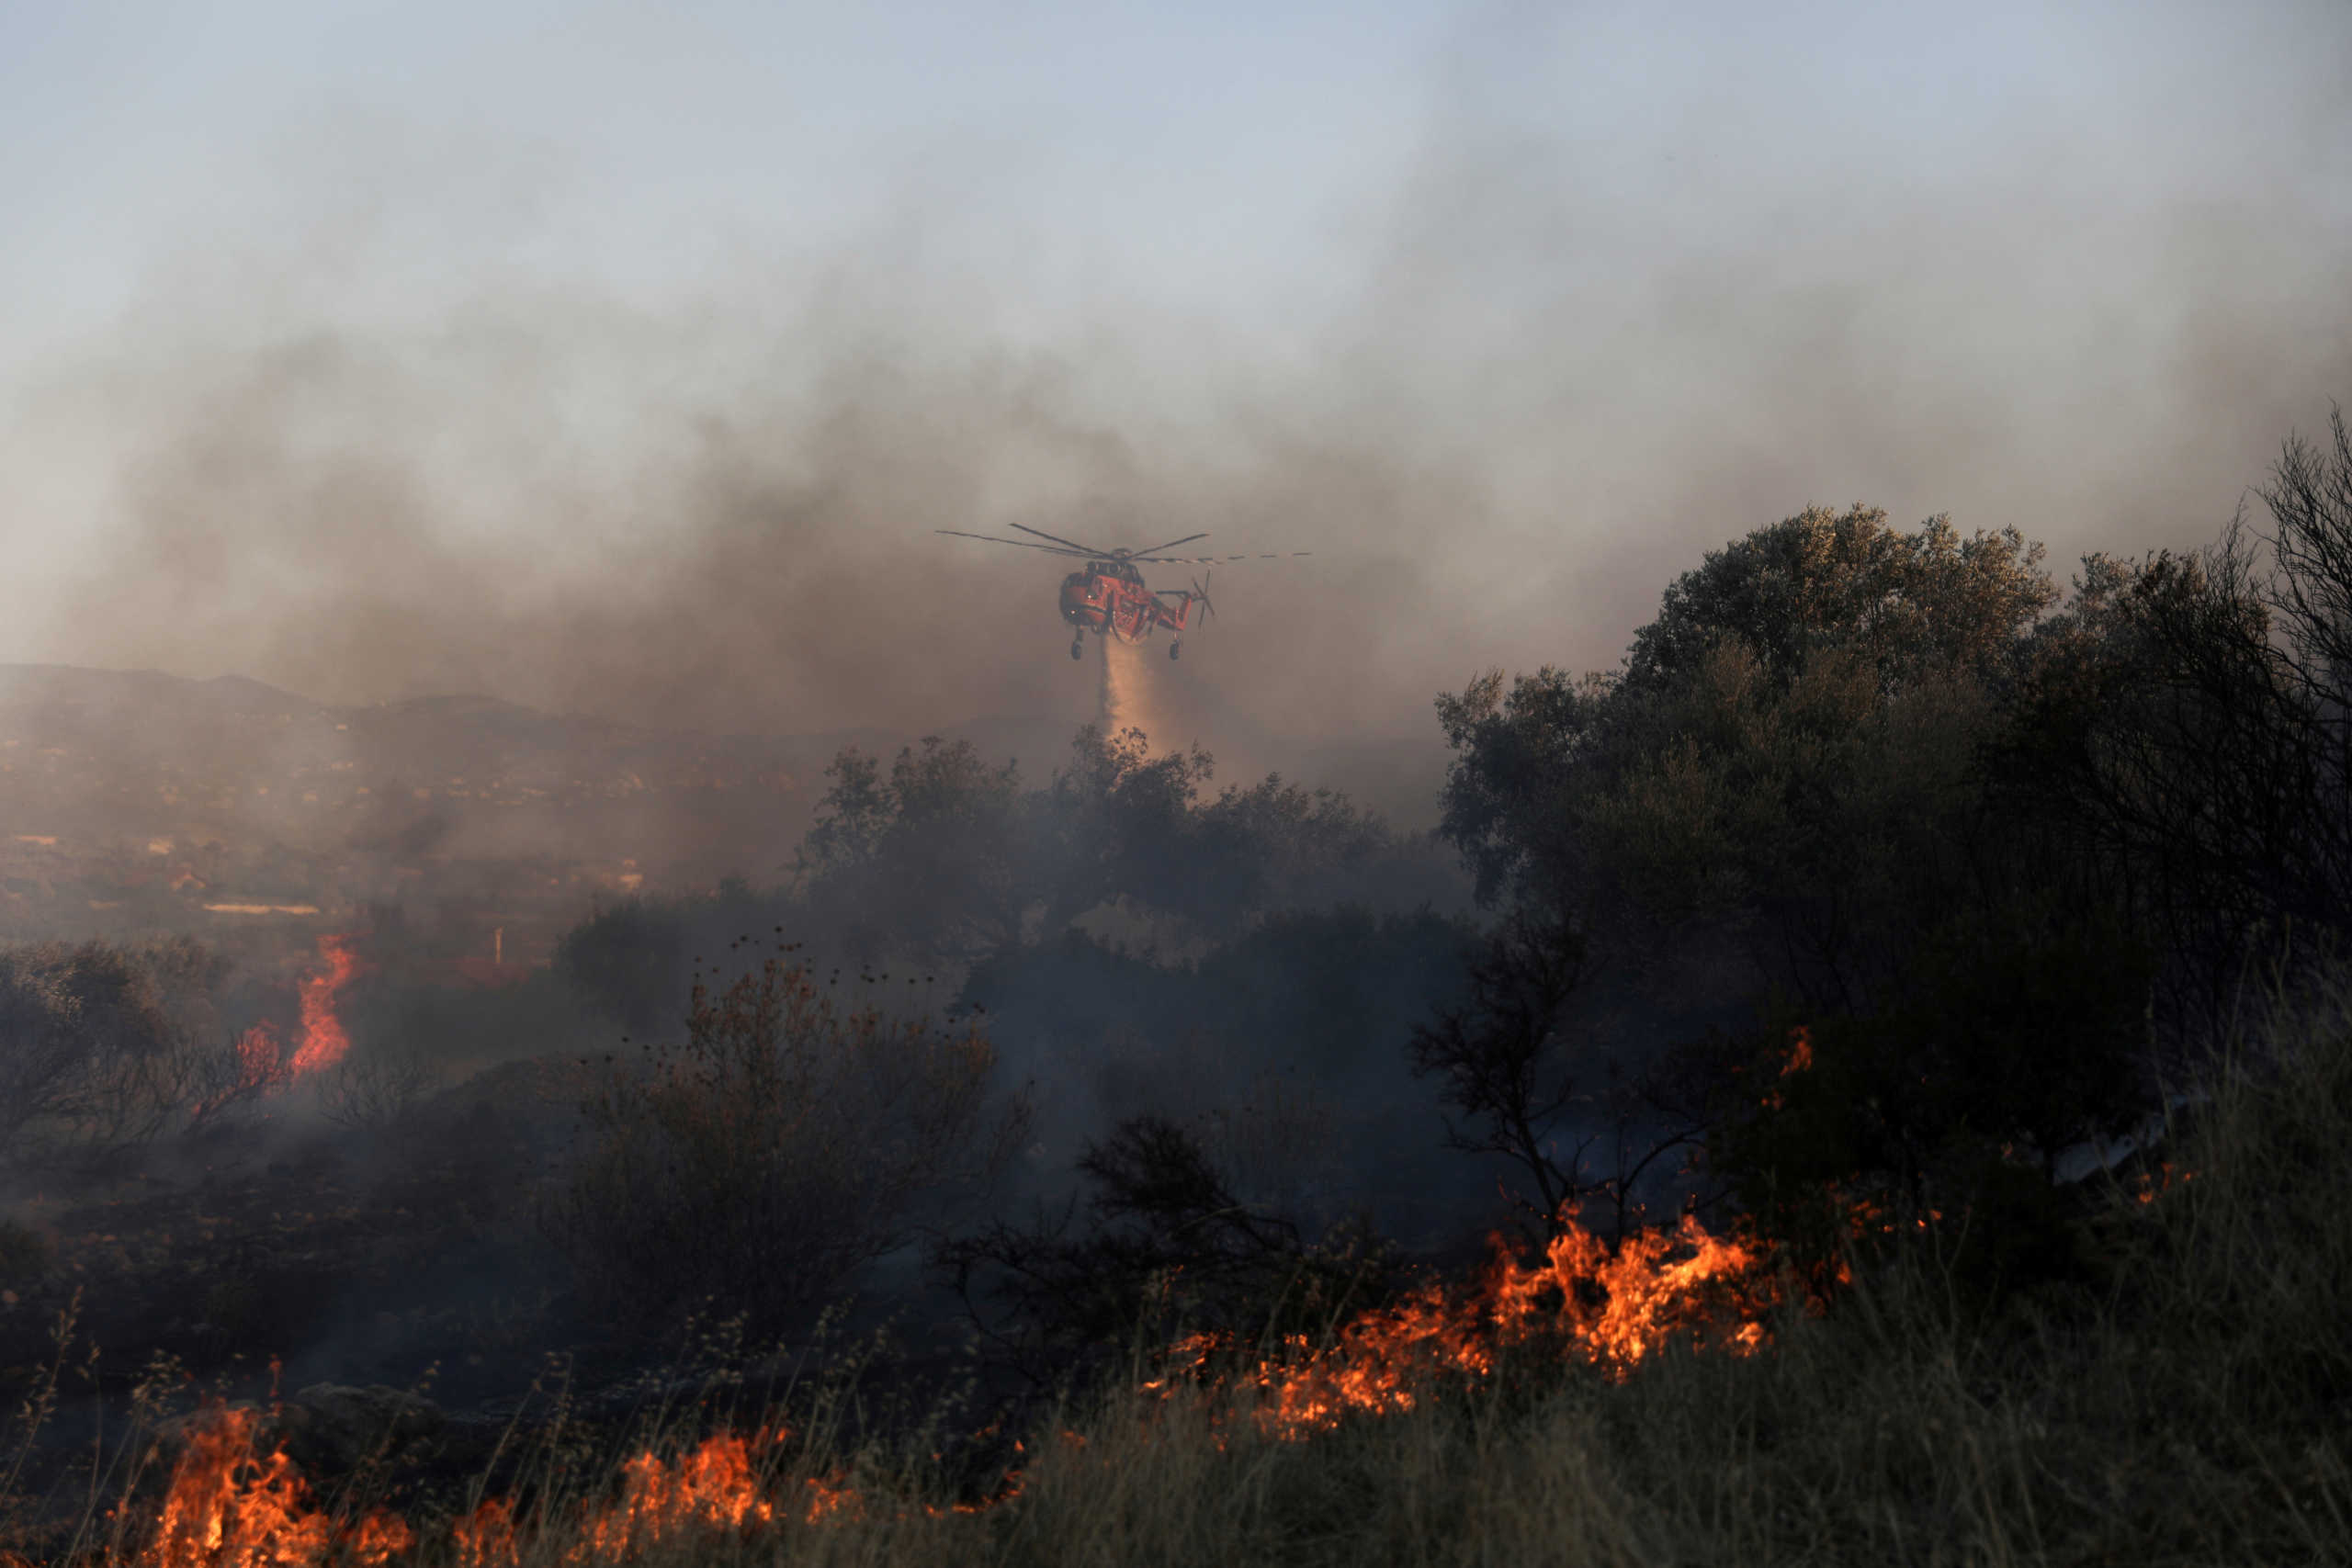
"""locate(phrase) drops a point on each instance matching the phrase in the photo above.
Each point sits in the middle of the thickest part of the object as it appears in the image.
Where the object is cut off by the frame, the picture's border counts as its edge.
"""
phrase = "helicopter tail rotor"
(1201, 592)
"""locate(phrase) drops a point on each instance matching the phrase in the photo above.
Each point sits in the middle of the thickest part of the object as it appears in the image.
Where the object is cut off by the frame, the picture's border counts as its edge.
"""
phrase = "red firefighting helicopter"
(1108, 596)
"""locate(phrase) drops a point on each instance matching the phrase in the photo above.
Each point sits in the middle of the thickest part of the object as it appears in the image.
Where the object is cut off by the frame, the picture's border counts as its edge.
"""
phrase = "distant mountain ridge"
(137, 801)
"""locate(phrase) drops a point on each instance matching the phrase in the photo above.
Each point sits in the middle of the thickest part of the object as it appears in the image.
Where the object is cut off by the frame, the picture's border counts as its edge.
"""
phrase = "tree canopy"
(1910, 604)
(1796, 763)
(939, 856)
(952, 857)
(1823, 666)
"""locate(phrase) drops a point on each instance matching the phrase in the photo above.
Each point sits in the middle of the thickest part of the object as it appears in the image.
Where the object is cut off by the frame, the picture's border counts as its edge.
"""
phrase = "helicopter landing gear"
(1078, 647)
(1175, 648)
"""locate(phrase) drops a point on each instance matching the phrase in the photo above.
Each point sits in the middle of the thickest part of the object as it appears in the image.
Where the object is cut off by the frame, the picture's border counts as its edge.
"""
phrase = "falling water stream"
(1126, 686)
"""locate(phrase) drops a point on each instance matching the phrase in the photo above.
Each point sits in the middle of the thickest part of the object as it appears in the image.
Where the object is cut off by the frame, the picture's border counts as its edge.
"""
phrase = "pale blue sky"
(652, 138)
(1507, 311)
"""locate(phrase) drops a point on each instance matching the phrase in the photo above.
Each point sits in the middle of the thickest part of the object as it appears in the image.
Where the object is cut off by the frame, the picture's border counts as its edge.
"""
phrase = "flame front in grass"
(376, 1539)
(1610, 1310)
(323, 1039)
(715, 1489)
(486, 1538)
(718, 1488)
(1658, 1288)
(227, 1507)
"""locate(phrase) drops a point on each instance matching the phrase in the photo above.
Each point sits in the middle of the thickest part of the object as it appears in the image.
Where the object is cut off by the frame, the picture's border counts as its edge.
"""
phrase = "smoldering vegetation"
(967, 976)
(1892, 1027)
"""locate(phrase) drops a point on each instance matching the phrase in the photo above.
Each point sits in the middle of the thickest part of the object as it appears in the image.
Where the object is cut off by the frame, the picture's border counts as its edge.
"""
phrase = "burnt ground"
(386, 1253)
(269, 1261)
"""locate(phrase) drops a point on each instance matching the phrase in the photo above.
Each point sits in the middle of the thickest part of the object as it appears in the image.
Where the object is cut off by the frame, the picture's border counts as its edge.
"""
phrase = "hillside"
(132, 802)
(138, 801)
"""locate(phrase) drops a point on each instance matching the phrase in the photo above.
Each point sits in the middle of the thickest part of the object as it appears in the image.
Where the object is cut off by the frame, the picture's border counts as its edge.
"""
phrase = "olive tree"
(1788, 765)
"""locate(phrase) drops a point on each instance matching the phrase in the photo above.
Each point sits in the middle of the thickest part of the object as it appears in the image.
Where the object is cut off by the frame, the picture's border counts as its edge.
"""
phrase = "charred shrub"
(369, 1091)
(105, 1048)
(783, 1143)
(627, 962)
(1497, 1060)
(1160, 1245)
(1948, 1109)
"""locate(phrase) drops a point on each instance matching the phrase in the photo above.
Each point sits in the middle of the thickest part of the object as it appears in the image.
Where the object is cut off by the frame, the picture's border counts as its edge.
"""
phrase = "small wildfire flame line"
(1578, 1300)
(229, 1507)
(228, 1504)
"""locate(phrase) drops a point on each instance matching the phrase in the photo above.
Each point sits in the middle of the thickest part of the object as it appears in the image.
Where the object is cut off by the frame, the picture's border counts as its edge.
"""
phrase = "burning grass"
(1660, 1405)
(1579, 1304)
(231, 1502)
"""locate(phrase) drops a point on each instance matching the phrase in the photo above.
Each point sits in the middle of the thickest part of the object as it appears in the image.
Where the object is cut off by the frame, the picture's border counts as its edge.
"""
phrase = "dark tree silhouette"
(1506, 1078)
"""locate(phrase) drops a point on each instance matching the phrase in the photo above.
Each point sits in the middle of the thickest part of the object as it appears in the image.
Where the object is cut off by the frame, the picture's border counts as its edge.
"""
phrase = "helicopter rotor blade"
(1023, 544)
(1211, 561)
(1061, 546)
(1150, 551)
(1072, 544)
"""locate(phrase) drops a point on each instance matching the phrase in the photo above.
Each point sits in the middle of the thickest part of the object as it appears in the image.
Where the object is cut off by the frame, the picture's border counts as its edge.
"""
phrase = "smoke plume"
(1539, 361)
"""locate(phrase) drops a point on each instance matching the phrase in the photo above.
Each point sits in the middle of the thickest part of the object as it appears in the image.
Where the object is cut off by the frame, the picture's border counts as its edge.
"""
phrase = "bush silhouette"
(786, 1142)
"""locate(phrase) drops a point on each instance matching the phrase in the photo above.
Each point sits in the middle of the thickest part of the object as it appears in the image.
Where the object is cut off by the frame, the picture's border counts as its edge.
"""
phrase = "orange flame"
(2148, 1186)
(323, 1039)
(228, 1507)
(1798, 1060)
(486, 1538)
(259, 1059)
(1610, 1310)
(261, 1065)
(712, 1488)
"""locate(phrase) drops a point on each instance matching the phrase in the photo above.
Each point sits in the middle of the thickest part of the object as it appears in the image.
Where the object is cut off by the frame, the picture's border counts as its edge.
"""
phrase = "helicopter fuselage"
(1109, 597)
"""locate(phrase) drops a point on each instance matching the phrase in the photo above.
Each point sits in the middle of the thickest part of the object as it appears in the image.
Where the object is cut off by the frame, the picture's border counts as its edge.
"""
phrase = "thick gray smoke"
(1553, 357)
